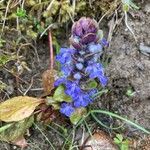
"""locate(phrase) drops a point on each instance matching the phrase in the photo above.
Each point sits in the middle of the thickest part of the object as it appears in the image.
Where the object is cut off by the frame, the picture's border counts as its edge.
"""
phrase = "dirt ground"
(129, 68)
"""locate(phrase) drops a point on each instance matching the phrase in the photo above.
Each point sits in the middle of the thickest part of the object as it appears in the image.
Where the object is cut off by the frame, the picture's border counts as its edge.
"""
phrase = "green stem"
(121, 118)
(5, 127)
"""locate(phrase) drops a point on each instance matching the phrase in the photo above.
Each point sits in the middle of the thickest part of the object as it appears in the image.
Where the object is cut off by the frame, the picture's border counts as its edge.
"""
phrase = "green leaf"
(117, 141)
(17, 130)
(92, 84)
(130, 92)
(59, 95)
(125, 8)
(120, 137)
(3, 128)
(56, 44)
(21, 13)
(50, 101)
(5, 59)
(124, 146)
(77, 115)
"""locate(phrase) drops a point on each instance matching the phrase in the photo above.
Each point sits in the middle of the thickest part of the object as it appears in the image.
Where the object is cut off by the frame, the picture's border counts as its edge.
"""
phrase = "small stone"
(100, 141)
(147, 8)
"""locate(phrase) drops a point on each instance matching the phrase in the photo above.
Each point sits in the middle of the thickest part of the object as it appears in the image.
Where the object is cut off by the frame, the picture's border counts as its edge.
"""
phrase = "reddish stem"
(51, 50)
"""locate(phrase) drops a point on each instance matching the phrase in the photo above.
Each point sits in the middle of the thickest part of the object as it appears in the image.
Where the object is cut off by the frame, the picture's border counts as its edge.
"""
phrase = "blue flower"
(103, 79)
(77, 76)
(82, 100)
(67, 109)
(80, 60)
(82, 52)
(94, 58)
(67, 69)
(92, 92)
(104, 42)
(95, 70)
(59, 81)
(65, 55)
(79, 66)
(72, 89)
(94, 48)
(80, 63)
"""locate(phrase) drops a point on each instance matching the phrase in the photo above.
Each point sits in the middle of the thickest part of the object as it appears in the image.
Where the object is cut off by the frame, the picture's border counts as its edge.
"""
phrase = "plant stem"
(51, 50)
(121, 118)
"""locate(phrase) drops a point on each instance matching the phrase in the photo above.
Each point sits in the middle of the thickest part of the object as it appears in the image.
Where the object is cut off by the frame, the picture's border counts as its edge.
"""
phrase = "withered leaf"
(48, 79)
(18, 108)
(21, 142)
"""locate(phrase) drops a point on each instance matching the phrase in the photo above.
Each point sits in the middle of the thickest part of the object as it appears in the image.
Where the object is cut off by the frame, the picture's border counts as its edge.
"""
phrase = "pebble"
(100, 141)
(147, 8)
(143, 48)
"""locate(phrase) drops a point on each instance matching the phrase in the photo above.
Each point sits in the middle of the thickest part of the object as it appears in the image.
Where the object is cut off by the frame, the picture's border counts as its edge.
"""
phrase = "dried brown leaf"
(48, 79)
(18, 108)
(21, 142)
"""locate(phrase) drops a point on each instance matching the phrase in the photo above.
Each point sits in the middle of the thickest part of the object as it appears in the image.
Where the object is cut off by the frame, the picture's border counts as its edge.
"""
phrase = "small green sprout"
(4, 59)
(127, 4)
(2, 42)
(130, 92)
(21, 13)
(121, 142)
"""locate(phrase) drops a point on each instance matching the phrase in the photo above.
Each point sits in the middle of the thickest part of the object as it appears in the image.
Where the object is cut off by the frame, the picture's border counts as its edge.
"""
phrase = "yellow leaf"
(18, 108)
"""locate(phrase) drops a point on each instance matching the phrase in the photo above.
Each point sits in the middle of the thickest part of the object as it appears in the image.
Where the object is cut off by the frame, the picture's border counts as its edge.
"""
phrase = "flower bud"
(86, 29)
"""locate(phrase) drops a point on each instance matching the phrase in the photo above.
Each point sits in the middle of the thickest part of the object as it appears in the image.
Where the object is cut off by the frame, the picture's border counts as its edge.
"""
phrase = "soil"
(129, 68)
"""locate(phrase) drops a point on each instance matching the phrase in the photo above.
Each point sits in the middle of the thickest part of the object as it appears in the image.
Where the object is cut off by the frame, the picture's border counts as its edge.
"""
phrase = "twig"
(16, 76)
(51, 50)
(70, 17)
(37, 89)
(28, 44)
(46, 30)
(50, 5)
(74, 7)
(46, 138)
(5, 16)
(102, 17)
(29, 87)
(129, 28)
